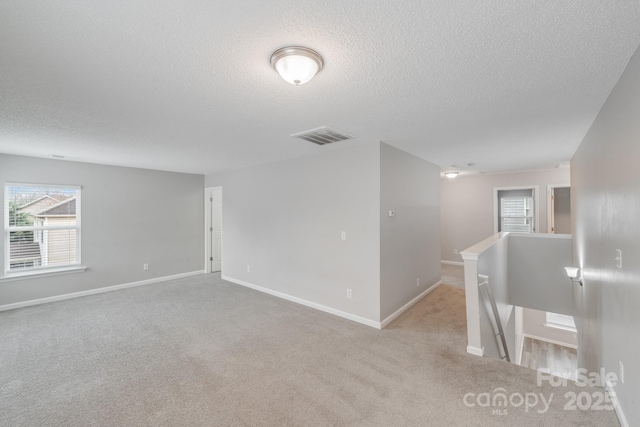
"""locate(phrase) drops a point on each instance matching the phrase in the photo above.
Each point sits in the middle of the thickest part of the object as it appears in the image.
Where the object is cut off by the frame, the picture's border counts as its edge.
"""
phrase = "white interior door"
(215, 230)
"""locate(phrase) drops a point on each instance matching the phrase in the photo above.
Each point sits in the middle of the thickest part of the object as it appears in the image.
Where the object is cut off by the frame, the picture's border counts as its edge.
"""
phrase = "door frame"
(207, 227)
(536, 203)
(550, 205)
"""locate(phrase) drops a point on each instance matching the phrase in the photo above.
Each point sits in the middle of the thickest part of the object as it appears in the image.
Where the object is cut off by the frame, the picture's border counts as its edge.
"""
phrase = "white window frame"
(47, 270)
(557, 321)
(536, 205)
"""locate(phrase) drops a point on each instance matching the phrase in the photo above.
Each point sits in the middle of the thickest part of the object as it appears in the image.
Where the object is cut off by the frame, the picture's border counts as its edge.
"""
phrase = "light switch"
(618, 258)
(343, 235)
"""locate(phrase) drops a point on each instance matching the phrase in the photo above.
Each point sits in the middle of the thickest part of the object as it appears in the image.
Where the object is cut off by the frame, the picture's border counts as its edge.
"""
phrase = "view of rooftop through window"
(43, 226)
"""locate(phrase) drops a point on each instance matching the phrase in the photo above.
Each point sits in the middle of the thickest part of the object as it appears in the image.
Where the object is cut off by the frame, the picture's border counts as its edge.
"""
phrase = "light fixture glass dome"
(296, 64)
(572, 272)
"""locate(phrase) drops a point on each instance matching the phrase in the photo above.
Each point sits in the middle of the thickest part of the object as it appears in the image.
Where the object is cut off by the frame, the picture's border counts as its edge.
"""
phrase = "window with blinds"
(516, 213)
(42, 227)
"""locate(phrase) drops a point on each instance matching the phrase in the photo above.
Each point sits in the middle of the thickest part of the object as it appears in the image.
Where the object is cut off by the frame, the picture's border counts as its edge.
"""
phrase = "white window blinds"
(42, 227)
(516, 212)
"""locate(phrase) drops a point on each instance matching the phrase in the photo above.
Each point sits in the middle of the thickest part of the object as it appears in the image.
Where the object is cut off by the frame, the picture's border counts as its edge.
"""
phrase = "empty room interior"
(301, 213)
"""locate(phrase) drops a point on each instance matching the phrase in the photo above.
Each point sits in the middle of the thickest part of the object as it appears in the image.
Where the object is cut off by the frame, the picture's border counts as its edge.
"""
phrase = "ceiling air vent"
(323, 135)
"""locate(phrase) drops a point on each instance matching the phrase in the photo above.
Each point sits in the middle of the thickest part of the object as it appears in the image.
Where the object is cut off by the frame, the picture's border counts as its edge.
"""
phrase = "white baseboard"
(475, 350)
(304, 302)
(404, 308)
(549, 340)
(460, 263)
(96, 291)
(616, 405)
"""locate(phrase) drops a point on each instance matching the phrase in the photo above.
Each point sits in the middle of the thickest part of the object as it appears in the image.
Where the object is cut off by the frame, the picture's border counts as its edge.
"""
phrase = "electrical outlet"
(418, 282)
(349, 294)
(618, 258)
(248, 269)
(145, 267)
(621, 372)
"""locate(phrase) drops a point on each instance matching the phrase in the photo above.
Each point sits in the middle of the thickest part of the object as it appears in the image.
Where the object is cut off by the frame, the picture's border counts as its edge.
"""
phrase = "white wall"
(409, 241)
(467, 206)
(606, 210)
(129, 217)
(285, 220)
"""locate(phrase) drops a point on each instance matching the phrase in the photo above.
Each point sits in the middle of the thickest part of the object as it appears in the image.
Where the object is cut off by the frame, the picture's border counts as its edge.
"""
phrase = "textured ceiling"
(186, 85)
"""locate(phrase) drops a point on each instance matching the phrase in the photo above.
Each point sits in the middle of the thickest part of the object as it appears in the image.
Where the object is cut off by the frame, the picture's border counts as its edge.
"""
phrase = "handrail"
(485, 282)
(474, 251)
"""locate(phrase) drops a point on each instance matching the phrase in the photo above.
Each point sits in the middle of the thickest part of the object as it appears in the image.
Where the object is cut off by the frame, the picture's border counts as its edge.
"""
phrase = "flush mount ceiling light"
(296, 64)
(451, 175)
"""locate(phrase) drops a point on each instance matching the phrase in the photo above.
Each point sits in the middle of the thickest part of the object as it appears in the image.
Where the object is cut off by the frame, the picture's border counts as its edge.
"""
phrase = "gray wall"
(284, 219)
(467, 205)
(537, 278)
(562, 211)
(606, 210)
(129, 217)
(409, 241)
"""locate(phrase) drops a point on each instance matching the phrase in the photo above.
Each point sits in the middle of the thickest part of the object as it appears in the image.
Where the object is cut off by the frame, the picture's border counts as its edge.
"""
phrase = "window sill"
(561, 327)
(42, 273)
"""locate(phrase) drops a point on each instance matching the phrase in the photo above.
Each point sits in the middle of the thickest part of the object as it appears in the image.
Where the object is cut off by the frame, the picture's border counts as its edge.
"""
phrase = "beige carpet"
(201, 351)
(453, 275)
